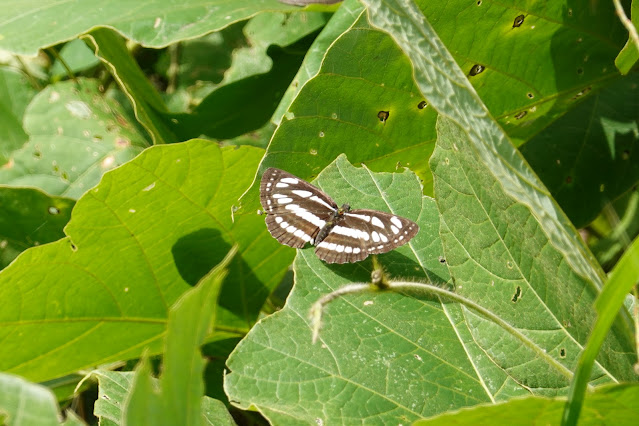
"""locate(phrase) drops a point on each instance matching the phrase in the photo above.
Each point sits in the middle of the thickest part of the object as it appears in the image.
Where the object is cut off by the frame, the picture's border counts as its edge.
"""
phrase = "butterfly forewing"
(359, 233)
(298, 213)
(296, 210)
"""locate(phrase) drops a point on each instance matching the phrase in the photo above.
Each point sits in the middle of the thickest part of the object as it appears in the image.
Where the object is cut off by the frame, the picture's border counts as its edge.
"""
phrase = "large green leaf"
(387, 356)
(501, 257)
(135, 243)
(29, 26)
(336, 112)
(509, 248)
(608, 405)
(364, 73)
(589, 157)
(29, 218)
(75, 135)
(521, 243)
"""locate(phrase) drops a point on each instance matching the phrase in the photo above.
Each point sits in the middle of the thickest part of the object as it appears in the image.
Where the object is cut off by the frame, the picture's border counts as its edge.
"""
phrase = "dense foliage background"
(139, 286)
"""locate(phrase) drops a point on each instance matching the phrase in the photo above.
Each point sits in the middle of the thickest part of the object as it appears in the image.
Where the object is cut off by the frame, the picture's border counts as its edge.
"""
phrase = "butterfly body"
(298, 213)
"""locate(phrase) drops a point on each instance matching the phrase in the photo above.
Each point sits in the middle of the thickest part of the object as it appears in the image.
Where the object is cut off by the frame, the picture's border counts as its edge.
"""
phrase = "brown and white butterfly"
(298, 213)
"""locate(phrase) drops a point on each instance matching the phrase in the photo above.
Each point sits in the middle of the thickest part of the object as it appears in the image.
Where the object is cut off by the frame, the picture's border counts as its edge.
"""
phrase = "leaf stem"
(632, 31)
(317, 308)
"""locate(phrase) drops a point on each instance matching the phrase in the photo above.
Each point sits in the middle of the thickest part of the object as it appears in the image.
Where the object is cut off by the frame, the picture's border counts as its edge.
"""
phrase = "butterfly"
(298, 213)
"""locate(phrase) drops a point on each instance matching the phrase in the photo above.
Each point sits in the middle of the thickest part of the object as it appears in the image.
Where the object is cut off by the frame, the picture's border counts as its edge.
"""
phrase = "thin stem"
(315, 313)
(627, 23)
(316, 310)
(64, 64)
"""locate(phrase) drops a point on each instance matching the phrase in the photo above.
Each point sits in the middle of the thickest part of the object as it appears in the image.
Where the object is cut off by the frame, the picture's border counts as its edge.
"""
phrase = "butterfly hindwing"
(359, 233)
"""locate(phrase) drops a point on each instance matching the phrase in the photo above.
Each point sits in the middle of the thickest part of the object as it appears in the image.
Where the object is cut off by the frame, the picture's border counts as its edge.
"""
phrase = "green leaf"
(258, 76)
(337, 112)
(150, 230)
(609, 404)
(152, 23)
(629, 55)
(29, 218)
(522, 246)
(216, 413)
(146, 101)
(113, 389)
(502, 258)
(26, 403)
(15, 94)
(181, 385)
(243, 105)
(345, 16)
(382, 355)
(77, 56)
(602, 135)
(75, 135)
(623, 278)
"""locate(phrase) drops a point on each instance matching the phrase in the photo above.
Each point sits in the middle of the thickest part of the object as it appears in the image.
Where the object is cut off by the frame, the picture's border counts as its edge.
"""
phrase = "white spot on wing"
(340, 248)
(375, 221)
(284, 200)
(394, 229)
(351, 232)
(322, 202)
(356, 250)
(365, 217)
(397, 222)
(302, 193)
(300, 234)
(278, 219)
(289, 180)
(279, 196)
(281, 185)
(291, 229)
(375, 236)
(306, 215)
(348, 249)
(383, 238)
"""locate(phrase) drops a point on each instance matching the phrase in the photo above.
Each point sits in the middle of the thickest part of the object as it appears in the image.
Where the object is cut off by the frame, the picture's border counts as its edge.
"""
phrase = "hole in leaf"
(562, 353)
(422, 105)
(517, 295)
(521, 115)
(37, 154)
(442, 259)
(581, 93)
(383, 116)
(530, 95)
(476, 69)
(518, 21)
